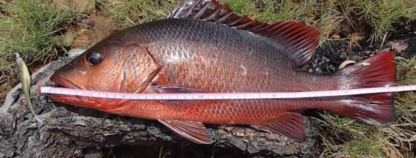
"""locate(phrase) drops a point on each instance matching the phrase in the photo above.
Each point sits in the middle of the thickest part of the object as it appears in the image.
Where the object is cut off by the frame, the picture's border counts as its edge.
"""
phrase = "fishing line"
(222, 96)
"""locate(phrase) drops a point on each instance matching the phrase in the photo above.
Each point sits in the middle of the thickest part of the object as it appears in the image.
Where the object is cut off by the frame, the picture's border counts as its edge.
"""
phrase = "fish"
(203, 47)
(26, 80)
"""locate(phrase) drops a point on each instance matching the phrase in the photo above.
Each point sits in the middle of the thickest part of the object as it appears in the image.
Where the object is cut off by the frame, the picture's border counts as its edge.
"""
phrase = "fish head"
(109, 67)
(95, 69)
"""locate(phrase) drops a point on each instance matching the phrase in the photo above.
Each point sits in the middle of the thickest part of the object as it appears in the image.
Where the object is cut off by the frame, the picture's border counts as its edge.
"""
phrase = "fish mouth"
(62, 82)
(62, 98)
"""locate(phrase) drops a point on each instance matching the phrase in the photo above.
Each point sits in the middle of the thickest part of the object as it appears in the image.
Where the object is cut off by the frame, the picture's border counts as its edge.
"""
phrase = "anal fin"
(289, 124)
(193, 131)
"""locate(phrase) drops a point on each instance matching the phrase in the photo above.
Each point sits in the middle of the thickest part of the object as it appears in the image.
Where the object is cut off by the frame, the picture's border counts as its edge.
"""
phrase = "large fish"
(203, 47)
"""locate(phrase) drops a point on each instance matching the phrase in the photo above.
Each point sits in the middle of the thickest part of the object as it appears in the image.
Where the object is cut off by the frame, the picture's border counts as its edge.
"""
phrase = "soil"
(91, 29)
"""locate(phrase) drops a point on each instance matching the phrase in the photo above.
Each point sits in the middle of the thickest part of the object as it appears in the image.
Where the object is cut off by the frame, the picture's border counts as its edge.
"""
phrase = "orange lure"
(203, 47)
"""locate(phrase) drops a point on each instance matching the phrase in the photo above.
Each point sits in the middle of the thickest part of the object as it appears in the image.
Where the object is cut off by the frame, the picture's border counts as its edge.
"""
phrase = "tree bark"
(69, 131)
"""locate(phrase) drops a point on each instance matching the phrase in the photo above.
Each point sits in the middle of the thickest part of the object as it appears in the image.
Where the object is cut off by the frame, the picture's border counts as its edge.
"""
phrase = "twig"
(384, 39)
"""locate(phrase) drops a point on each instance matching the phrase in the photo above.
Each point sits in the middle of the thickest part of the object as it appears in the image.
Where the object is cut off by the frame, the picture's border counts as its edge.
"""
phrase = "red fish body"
(221, 53)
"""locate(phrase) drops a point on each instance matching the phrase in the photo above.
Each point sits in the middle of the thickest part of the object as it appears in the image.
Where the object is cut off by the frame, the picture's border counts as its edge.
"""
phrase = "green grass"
(271, 11)
(128, 13)
(378, 15)
(29, 27)
(381, 14)
(407, 71)
(366, 147)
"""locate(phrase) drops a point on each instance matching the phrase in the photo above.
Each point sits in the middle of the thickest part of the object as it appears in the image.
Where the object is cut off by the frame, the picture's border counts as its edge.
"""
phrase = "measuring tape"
(222, 96)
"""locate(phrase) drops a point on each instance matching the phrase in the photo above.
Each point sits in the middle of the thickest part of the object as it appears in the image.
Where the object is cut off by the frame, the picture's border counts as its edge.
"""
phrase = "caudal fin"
(377, 71)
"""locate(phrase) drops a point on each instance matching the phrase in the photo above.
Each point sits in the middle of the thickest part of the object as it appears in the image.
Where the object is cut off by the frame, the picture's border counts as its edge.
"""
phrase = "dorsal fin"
(297, 39)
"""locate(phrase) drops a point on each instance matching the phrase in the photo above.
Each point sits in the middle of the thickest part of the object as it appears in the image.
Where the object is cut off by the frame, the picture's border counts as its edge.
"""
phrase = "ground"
(350, 31)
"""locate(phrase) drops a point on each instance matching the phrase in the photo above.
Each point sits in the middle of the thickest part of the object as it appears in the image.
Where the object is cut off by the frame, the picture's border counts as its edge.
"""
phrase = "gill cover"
(138, 71)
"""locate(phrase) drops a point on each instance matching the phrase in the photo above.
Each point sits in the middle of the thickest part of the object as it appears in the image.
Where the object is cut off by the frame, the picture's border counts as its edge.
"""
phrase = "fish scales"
(222, 58)
(188, 44)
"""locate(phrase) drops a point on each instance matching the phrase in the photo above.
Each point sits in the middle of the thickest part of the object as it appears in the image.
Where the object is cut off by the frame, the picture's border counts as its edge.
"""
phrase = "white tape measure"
(222, 96)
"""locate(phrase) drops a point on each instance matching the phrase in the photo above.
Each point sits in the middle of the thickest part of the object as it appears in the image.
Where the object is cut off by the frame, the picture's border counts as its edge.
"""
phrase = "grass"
(32, 28)
(368, 147)
(378, 15)
(128, 13)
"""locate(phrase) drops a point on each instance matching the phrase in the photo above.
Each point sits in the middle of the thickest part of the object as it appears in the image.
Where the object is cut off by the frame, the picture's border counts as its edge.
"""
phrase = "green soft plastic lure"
(25, 79)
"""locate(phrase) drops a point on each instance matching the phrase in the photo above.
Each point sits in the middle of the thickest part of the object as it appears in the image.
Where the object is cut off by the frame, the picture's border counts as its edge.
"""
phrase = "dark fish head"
(110, 66)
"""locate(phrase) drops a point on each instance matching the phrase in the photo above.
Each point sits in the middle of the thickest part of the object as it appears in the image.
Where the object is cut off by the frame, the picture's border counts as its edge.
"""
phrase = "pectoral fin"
(177, 89)
(194, 131)
(289, 124)
(183, 89)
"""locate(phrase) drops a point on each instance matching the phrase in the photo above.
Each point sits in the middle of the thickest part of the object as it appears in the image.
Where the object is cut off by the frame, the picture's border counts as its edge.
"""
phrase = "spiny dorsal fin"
(297, 39)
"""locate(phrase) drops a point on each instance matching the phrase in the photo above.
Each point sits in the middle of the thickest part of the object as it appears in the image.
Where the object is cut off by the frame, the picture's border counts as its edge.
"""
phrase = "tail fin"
(374, 109)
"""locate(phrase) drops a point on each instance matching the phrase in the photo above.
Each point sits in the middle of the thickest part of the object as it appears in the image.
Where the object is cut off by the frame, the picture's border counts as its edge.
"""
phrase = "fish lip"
(64, 82)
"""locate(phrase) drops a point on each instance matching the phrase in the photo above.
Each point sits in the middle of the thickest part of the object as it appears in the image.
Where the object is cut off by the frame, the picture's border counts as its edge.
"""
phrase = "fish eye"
(94, 58)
